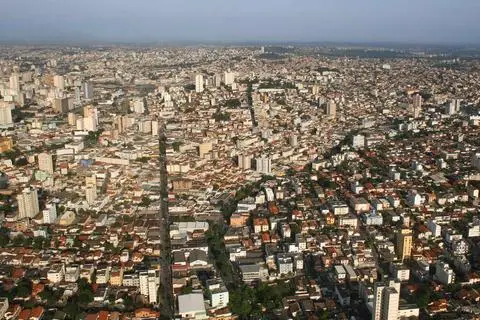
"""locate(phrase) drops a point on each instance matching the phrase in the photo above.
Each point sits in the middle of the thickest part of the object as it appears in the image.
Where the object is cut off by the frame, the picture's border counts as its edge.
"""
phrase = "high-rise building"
(404, 244)
(199, 83)
(59, 82)
(15, 82)
(60, 105)
(91, 194)
(72, 119)
(89, 124)
(217, 79)
(263, 165)
(28, 203)
(417, 105)
(386, 298)
(149, 283)
(91, 111)
(139, 106)
(88, 90)
(5, 114)
(331, 108)
(50, 213)
(245, 161)
(45, 162)
(229, 77)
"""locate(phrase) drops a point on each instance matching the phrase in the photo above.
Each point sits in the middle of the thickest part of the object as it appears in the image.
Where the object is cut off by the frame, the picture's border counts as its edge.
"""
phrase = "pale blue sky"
(416, 21)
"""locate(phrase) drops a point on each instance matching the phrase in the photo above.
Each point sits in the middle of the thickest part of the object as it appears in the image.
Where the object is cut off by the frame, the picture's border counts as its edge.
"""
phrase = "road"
(167, 304)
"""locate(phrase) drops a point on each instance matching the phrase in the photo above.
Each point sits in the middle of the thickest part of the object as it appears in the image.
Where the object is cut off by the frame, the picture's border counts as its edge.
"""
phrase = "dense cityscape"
(239, 182)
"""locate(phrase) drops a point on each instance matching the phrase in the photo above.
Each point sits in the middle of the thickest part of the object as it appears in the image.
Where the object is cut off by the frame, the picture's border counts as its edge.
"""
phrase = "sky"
(139, 21)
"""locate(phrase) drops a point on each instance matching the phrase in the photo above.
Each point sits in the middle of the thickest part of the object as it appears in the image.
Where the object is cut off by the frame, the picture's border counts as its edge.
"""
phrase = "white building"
(219, 296)
(358, 141)
(149, 283)
(59, 82)
(89, 124)
(72, 273)
(285, 264)
(331, 108)
(45, 162)
(50, 213)
(56, 273)
(386, 298)
(199, 83)
(229, 78)
(264, 165)
(5, 114)
(91, 194)
(28, 203)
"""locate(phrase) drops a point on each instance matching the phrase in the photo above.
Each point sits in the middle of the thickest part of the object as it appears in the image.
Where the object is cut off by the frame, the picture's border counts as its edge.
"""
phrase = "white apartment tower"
(45, 162)
(28, 203)
(199, 83)
(386, 298)
(50, 213)
(264, 165)
(59, 82)
(149, 282)
(5, 114)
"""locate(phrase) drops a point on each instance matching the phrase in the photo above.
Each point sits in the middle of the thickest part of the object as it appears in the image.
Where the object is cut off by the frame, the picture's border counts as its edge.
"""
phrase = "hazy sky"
(425, 21)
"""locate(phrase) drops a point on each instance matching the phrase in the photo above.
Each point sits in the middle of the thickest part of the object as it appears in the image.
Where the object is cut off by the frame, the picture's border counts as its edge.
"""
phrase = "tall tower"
(45, 162)
(28, 203)
(199, 83)
(386, 297)
(331, 109)
(5, 114)
(404, 244)
(59, 82)
(417, 105)
(15, 82)
(88, 90)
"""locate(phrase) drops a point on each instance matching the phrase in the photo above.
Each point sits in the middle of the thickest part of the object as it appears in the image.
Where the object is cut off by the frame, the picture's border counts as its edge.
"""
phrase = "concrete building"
(45, 162)
(444, 273)
(386, 298)
(191, 306)
(60, 105)
(219, 296)
(149, 283)
(91, 194)
(50, 213)
(6, 114)
(264, 165)
(56, 273)
(28, 203)
(59, 82)
(331, 109)
(199, 83)
(88, 90)
(404, 244)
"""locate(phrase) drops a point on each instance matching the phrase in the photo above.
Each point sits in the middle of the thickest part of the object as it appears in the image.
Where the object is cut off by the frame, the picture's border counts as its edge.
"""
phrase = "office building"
(199, 83)
(28, 203)
(386, 298)
(45, 162)
(6, 114)
(404, 244)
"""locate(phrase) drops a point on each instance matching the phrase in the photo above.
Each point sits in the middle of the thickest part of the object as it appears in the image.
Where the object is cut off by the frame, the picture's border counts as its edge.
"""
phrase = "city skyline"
(53, 21)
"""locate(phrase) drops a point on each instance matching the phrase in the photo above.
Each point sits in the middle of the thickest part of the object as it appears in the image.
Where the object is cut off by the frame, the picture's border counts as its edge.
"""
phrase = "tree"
(38, 243)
